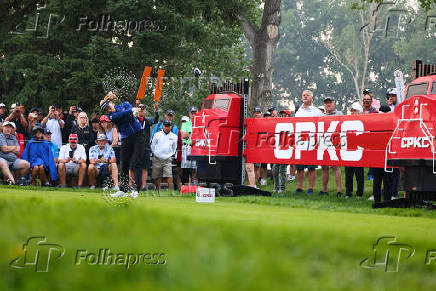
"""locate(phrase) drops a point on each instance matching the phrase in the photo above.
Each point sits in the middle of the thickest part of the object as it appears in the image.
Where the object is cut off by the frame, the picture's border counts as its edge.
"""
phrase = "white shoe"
(92, 187)
(133, 194)
(393, 198)
(118, 194)
(262, 182)
(291, 178)
(116, 188)
(371, 198)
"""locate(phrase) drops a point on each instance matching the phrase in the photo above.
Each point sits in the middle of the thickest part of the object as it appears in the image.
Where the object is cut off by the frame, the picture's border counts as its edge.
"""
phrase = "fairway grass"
(247, 243)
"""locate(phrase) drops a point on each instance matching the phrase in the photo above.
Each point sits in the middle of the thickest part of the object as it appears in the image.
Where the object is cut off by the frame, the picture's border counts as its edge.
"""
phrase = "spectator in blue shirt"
(169, 115)
(40, 156)
(102, 162)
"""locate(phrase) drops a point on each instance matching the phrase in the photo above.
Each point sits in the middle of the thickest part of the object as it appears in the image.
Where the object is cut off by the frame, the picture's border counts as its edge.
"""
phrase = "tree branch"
(248, 29)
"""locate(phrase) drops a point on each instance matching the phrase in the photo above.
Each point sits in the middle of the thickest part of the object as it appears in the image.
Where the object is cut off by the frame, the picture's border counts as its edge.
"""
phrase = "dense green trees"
(66, 57)
(322, 41)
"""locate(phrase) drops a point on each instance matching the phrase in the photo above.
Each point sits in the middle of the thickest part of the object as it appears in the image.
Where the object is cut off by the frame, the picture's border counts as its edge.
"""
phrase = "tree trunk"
(263, 41)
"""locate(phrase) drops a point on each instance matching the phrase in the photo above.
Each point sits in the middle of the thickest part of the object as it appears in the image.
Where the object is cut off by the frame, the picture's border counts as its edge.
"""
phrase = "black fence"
(421, 70)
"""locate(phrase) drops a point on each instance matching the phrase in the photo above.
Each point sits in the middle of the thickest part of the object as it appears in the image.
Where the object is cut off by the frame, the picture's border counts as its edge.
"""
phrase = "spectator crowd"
(57, 148)
(256, 173)
(70, 148)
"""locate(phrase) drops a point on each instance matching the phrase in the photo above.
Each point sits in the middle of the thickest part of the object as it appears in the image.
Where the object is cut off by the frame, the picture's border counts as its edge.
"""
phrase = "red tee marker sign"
(144, 81)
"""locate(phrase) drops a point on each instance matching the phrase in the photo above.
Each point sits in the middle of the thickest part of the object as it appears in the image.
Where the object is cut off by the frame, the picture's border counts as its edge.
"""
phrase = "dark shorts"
(302, 167)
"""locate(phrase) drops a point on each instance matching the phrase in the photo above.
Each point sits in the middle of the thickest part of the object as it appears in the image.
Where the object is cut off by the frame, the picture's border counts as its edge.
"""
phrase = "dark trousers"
(395, 182)
(186, 173)
(387, 178)
(132, 158)
(349, 174)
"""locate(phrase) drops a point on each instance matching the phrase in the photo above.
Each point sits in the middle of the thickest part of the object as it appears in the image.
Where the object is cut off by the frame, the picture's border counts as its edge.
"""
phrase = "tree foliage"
(303, 60)
(69, 65)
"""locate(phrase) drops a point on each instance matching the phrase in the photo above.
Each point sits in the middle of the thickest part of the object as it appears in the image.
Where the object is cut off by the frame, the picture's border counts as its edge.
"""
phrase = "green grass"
(291, 242)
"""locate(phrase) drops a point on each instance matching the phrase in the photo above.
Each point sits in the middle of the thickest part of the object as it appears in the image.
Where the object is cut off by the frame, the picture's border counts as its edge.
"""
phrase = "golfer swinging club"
(132, 139)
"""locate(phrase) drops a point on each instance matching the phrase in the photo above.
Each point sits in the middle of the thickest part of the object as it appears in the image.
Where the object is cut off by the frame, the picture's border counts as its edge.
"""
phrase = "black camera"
(71, 154)
(100, 156)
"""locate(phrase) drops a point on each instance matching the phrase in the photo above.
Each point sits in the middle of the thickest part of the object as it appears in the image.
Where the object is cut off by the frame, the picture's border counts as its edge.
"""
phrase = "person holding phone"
(102, 162)
(54, 123)
(72, 162)
(17, 117)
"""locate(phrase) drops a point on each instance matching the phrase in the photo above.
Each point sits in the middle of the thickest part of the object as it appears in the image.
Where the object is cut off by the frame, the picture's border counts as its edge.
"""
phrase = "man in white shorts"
(72, 161)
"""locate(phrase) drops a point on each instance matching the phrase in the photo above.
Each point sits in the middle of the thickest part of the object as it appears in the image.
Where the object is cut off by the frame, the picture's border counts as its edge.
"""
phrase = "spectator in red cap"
(72, 161)
(109, 130)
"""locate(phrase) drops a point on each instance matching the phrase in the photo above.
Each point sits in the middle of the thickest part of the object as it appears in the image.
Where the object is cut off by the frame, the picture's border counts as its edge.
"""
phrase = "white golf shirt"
(310, 111)
(164, 145)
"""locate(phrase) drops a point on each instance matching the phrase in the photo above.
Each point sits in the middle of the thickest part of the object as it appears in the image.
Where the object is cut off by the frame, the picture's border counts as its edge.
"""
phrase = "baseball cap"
(385, 109)
(185, 118)
(267, 114)
(105, 104)
(73, 137)
(288, 112)
(47, 131)
(167, 123)
(101, 136)
(104, 118)
(356, 106)
(37, 128)
(77, 109)
(271, 109)
(328, 98)
(257, 109)
(13, 106)
(9, 123)
(193, 108)
(171, 112)
(2, 105)
(56, 105)
(392, 91)
(367, 91)
(35, 109)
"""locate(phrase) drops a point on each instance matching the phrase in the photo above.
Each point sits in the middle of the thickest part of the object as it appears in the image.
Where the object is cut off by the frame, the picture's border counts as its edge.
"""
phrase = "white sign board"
(205, 195)
(399, 83)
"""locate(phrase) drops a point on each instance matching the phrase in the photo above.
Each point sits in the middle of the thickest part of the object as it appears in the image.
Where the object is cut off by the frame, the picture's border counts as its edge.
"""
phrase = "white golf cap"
(392, 91)
(356, 106)
(185, 118)
(13, 106)
(9, 123)
(2, 105)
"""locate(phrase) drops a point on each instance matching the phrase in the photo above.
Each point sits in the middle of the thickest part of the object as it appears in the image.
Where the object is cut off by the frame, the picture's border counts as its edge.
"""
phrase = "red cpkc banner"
(349, 140)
